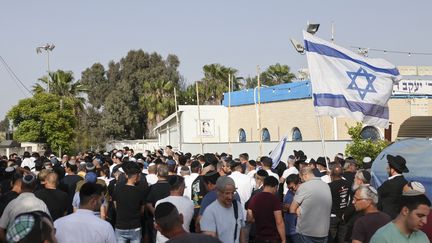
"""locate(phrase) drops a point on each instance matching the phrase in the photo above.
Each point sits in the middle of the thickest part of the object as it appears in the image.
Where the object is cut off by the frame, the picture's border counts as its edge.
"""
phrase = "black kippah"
(164, 209)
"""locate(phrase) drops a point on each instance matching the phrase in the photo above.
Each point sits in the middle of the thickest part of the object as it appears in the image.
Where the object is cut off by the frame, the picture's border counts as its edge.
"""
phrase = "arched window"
(370, 132)
(242, 135)
(296, 134)
(265, 135)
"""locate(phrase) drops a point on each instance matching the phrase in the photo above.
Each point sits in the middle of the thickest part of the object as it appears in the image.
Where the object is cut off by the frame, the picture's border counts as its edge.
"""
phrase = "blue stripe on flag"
(331, 52)
(339, 101)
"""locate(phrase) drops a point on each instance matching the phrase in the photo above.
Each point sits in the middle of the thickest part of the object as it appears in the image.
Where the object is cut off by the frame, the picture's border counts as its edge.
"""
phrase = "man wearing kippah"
(25, 202)
(414, 210)
(224, 218)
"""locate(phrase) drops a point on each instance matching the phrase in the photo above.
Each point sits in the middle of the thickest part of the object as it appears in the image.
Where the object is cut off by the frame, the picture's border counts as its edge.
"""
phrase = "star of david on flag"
(345, 84)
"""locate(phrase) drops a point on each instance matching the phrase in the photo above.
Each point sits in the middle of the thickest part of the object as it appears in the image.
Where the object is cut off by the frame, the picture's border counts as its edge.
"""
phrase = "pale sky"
(237, 33)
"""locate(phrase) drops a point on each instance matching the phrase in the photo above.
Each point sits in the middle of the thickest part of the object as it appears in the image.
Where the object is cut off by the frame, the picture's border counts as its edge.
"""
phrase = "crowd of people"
(170, 196)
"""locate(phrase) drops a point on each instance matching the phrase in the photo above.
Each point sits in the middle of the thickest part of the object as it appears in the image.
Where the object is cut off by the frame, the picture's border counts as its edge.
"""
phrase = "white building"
(212, 125)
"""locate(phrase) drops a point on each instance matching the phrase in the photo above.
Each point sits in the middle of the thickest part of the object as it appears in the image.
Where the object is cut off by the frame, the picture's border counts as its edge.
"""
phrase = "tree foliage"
(42, 119)
(4, 125)
(133, 94)
(273, 75)
(360, 148)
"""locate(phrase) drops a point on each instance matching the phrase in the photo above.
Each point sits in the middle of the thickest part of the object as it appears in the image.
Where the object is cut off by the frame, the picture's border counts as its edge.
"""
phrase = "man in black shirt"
(70, 181)
(340, 190)
(350, 169)
(129, 202)
(391, 190)
(157, 191)
(56, 200)
(12, 194)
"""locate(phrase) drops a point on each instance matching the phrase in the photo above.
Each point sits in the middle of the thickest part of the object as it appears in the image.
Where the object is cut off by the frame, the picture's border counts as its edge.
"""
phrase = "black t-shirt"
(129, 200)
(198, 192)
(5, 199)
(193, 238)
(349, 176)
(158, 191)
(71, 181)
(340, 190)
(57, 201)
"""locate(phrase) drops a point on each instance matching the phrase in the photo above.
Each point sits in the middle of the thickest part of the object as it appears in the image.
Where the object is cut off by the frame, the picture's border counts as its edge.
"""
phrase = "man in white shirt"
(243, 182)
(251, 168)
(290, 170)
(266, 165)
(151, 177)
(83, 225)
(183, 204)
(195, 169)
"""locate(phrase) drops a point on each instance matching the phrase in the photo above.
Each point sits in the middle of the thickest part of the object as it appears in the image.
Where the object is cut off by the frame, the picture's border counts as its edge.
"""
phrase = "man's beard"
(355, 187)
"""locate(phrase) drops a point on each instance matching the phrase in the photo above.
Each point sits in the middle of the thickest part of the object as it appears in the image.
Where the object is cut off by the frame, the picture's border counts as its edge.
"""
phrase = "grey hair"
(359, 175)
(368, 192)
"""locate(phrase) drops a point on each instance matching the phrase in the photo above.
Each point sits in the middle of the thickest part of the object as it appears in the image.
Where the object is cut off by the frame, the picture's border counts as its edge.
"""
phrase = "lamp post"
(47, 48)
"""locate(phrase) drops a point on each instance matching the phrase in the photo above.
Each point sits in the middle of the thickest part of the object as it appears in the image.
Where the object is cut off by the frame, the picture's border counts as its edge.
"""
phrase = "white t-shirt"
(271, 173)
(188, 183)
(84, 226)
(151, 179)
(286, 173)
(184, 206)
(244, 185)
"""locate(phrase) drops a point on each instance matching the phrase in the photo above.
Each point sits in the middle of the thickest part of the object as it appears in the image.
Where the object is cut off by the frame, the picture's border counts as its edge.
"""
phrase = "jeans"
(310, 239)
(128, 235)
(338, 230)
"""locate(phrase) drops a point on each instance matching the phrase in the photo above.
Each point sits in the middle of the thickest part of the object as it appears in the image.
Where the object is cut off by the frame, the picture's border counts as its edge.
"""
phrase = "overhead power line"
(14, 76)
(365, 50)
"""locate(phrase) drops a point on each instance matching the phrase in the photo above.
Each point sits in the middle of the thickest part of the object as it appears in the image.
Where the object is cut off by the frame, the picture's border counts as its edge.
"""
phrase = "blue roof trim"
(281, 92)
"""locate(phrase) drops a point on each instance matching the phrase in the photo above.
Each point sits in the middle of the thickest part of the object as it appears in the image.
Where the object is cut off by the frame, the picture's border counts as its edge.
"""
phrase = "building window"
(370, 132)
(296, 134)
(265, 136)
(242, 135)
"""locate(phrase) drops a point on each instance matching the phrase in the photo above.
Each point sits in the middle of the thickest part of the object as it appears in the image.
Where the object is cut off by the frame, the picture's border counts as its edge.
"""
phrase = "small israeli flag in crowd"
(345, 84)
(277, 152)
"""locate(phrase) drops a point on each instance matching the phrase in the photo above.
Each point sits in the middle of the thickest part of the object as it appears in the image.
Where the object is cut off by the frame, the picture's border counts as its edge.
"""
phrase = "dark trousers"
(338, 230)
(310, 239)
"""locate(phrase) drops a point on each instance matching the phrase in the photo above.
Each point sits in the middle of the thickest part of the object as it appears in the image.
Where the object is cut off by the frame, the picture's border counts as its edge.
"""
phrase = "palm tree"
(160, 102)
(278, 74)
(62, 83)
(215, 82)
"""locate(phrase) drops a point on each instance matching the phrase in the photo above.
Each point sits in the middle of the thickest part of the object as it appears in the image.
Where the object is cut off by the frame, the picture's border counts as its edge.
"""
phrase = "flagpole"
(177, 118)
(335, 126)
(199, 119)
(229, 112)
(323, 147)
(259, 112)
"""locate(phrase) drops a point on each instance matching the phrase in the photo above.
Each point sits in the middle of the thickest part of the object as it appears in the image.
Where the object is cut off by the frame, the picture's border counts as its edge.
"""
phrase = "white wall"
(216, 115)
(312, 149)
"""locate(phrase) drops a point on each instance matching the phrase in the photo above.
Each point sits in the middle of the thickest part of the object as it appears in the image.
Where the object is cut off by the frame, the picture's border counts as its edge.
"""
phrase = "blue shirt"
(207, 200)
(290, 218)
(210, 197)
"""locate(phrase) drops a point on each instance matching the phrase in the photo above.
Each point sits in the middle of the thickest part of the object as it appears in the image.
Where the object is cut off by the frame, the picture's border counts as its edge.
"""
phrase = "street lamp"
(47, 48)
(312, 29)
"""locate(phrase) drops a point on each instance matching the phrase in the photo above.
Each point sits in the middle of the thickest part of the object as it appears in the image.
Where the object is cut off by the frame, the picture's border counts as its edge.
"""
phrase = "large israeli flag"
(345, 84)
